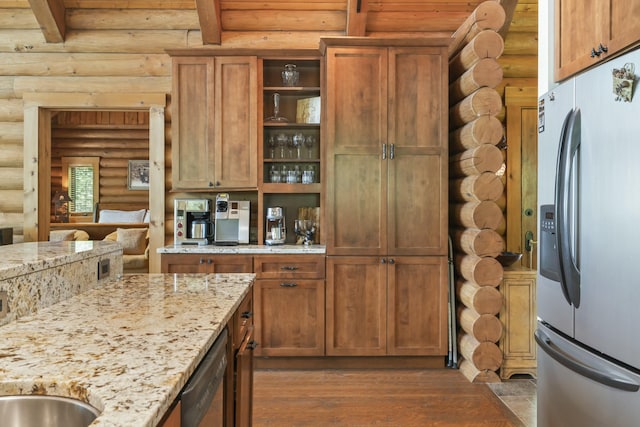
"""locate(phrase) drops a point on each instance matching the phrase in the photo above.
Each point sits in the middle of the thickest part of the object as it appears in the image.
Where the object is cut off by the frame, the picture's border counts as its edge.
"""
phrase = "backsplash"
(36, 275)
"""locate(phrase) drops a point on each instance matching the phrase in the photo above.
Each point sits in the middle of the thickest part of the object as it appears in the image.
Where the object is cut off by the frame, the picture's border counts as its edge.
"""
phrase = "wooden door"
(236, 122)
(522, 173)
(192, 122)
(417, 306)
(206, 263)
(580, 27)
(356, 301)
(356, 132)
(417, 124)
(289, 317)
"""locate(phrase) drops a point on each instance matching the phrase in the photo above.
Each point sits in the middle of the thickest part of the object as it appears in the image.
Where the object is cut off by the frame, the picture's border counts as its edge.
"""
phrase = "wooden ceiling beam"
(210, 23)
(50, 15)
(357, 17)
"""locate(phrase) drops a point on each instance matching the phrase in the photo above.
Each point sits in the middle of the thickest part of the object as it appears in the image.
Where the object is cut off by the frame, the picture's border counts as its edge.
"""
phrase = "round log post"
(474, 375)
(485, 271)
(484, 355)
(483, 102)
(483, 299)
(485, 73)
(483, 158)
(483, 327)
(486, 186)
(483, 130)
(475, 214)
(482, 243)
(486, 44)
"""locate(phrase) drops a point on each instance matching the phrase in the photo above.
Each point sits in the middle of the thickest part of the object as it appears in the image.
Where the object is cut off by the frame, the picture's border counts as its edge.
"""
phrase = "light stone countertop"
(244, 249)
(127, 347)
(29, 257)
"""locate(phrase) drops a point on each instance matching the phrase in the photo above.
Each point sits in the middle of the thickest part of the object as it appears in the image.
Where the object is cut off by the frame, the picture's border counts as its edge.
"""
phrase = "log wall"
(115, 137)
(123, 51)
(475, 188)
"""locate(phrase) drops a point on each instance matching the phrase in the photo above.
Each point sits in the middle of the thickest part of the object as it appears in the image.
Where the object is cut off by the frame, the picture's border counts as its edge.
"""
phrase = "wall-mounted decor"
(138, 175)
(623, 80)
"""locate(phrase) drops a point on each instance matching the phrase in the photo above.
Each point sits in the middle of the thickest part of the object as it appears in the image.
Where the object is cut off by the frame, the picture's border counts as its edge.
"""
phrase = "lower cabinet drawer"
(289, 317)
(289, 266)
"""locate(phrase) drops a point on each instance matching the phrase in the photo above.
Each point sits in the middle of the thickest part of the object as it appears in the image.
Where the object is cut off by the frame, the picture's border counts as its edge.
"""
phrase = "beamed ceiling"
(336, 17)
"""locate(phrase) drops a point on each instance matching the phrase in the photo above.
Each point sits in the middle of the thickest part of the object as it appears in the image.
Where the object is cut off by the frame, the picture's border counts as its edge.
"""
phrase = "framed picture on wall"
(138, 175)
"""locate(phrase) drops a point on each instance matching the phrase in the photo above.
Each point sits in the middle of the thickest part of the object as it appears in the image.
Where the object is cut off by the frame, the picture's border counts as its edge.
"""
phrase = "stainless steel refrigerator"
(588, 284)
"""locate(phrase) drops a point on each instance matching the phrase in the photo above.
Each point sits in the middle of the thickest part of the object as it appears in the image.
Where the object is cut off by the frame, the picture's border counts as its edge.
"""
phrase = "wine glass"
(309, 142)
(281, 141)
(272, 146)
(298, 140)
(290, 146)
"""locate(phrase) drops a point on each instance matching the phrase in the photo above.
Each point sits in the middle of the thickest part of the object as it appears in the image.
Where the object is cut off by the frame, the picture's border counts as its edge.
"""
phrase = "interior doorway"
(38, 111)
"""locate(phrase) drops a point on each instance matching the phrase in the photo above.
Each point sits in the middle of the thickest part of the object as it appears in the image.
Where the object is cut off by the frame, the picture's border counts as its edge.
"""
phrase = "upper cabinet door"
(356, 134)
(236, 122)
(588, 32)
(417, 123)
(192, 122)
(214, 123)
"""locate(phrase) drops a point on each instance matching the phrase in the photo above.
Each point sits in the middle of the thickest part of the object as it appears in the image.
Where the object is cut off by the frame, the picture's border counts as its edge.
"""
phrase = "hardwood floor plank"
(376, 397)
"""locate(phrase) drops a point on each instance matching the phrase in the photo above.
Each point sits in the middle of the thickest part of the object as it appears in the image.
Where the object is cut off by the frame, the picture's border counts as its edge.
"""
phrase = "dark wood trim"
(383, 362)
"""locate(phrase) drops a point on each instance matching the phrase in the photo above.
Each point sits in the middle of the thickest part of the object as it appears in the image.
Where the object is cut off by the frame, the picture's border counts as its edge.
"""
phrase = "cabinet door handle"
(392, 151)
(252, 345)
(288, 285)
(383, 260)
(201, 260)
(209, 261)
(392, 261)
(384, 151)
(246, 314)
(289, 267)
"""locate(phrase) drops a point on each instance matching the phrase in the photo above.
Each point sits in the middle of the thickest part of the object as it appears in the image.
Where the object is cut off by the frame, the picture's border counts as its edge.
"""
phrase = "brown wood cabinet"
(386, 306)
(589, 32)
(386, 151)
(239, 374)
(214, 122)
(518, 314)
(289, 305)
(386, 196)
(206, 263)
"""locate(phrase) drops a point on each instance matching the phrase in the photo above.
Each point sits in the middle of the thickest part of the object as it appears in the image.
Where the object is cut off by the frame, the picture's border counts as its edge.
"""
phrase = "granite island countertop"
(127, 347)
(244, 249)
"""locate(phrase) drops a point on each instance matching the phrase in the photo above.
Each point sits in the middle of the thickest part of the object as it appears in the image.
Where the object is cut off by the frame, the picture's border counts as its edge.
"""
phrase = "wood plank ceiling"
(343, 17)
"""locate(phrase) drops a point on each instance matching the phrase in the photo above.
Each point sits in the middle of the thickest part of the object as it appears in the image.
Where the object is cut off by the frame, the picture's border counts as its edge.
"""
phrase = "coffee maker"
(231, 221)
(276, 231)
(193, 224)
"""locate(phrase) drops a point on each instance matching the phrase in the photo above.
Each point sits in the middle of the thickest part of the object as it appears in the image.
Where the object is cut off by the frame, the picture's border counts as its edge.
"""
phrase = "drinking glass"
(276, 110)
(298, 140)
(309, 143)
(281, 141)
(272, 146)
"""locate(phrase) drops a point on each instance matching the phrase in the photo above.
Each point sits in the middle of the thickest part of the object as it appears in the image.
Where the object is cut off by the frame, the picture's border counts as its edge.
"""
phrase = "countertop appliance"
(588, 282)
(192, 221)
(202, 398)
(276, 231)
(231, 221)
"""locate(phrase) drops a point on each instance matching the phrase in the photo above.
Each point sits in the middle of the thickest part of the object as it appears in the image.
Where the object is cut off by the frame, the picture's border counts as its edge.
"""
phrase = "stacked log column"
(475, 188)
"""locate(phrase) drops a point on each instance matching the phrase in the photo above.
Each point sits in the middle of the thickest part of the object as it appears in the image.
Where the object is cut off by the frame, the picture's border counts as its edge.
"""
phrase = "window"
(80, 175)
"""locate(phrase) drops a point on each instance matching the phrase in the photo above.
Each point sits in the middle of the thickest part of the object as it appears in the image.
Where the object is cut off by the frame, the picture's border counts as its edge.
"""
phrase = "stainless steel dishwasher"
(203, 396)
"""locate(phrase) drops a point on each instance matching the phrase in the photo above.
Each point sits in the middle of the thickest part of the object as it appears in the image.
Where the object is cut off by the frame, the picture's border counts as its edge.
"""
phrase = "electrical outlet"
(104, 268)
(4, 304)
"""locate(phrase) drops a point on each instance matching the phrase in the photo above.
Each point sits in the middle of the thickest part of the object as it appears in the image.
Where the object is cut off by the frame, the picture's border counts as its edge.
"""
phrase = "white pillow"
(112, 215)
(147, 217)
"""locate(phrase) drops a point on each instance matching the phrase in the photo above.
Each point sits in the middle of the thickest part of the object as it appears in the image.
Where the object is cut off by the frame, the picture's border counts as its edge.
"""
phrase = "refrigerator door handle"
(610, 378)
(566, 205)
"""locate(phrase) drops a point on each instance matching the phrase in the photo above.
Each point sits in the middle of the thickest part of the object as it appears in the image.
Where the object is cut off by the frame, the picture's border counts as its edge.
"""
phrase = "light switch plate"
(104, 268)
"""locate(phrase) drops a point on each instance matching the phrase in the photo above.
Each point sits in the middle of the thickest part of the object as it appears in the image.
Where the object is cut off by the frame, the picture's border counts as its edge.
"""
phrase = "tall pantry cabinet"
(386, 196)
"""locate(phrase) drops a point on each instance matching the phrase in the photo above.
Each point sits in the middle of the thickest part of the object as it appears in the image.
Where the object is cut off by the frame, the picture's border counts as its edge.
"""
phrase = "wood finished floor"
(362, 398)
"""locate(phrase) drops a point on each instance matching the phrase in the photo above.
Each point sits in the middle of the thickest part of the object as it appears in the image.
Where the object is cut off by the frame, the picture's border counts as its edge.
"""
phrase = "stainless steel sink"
(45, 411)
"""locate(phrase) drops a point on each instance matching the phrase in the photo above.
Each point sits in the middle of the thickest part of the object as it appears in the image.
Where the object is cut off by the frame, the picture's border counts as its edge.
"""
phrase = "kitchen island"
(127, 347)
